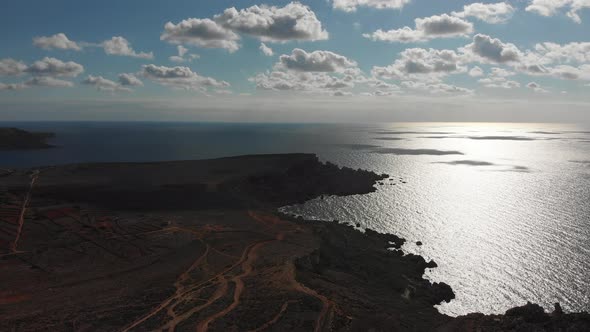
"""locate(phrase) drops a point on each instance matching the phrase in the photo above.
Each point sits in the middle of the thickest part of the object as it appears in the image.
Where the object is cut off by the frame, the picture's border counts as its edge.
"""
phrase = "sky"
(284, 61)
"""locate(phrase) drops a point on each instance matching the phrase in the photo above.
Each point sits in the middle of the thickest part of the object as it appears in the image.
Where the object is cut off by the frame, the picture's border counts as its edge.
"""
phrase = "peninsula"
(18, 139)
(200, 246)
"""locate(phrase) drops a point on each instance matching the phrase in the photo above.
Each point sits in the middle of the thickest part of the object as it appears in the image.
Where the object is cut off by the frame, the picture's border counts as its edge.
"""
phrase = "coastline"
(185, 225)
(17, 139)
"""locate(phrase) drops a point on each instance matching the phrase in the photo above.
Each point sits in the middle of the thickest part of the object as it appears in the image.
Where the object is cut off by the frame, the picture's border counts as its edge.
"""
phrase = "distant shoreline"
(18, 139)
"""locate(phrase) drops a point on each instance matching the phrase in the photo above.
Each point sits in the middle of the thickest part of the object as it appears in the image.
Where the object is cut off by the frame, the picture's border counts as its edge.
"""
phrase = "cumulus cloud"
(183, 55)
(327, 73)
(563, 61)
(49, 82)
(58, 41)
(382, 93)
(280, 81)
(129, 80)
(572, 52)
(120, 46)
(421, 70)
(314, 82)
(532, 69)
(564, 72)
(499, 82)
(536, 87)
(443, 26)
(43, 81)
(318, 72)
(416, 62)
(552, 7)
(403, 35)
(352, 5)
(546, 7)
(45, 73)
(571, 73)
(115, 46)
(316, 61)
(11, 67)
(295, 21)
(54, 67)
(383, 86)
(476, 72)
(266, 50)
(12, 86)
(491, 50)
(103, 84)
(567, 61)
(436, 88)
(201, 32)
(182, 51)
(180, 57)
(501, 72)
(491, 13)
(176, 58)
(342, 94)
(181, 78)
(380, 88)
(498, 79)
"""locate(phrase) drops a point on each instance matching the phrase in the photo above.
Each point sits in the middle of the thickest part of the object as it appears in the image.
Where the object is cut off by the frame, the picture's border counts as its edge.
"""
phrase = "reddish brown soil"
(144, 247)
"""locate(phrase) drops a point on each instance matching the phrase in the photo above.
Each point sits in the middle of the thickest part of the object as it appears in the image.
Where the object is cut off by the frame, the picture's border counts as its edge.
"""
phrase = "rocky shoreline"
(390, 293)
(199, 245)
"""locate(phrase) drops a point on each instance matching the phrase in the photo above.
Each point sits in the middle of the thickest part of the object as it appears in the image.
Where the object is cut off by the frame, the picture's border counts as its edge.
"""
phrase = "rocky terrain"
(198, 245)
(18, 139)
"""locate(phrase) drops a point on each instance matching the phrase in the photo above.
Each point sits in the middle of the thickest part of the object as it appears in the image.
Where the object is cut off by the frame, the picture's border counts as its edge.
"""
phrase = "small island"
(200, 246)
(18, 139)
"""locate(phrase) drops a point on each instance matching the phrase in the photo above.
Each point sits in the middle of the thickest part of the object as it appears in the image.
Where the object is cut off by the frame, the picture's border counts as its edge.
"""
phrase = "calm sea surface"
(504, 209)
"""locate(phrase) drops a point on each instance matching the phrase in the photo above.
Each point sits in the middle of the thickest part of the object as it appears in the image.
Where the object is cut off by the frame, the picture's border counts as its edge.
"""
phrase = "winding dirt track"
(275, 318)
(189, 290)
(326, 314)
(186, 294)
(247, 269)
(21, 217)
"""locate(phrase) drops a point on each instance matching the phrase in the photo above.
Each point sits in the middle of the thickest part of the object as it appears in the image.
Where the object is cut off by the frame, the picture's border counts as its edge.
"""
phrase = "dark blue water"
(117, 142)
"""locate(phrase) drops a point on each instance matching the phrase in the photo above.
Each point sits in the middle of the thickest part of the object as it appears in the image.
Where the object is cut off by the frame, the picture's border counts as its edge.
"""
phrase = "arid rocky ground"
(199, 246)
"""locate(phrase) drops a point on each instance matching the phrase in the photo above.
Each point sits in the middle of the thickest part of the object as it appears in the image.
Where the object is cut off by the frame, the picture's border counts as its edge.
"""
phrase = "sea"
(503, 208)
